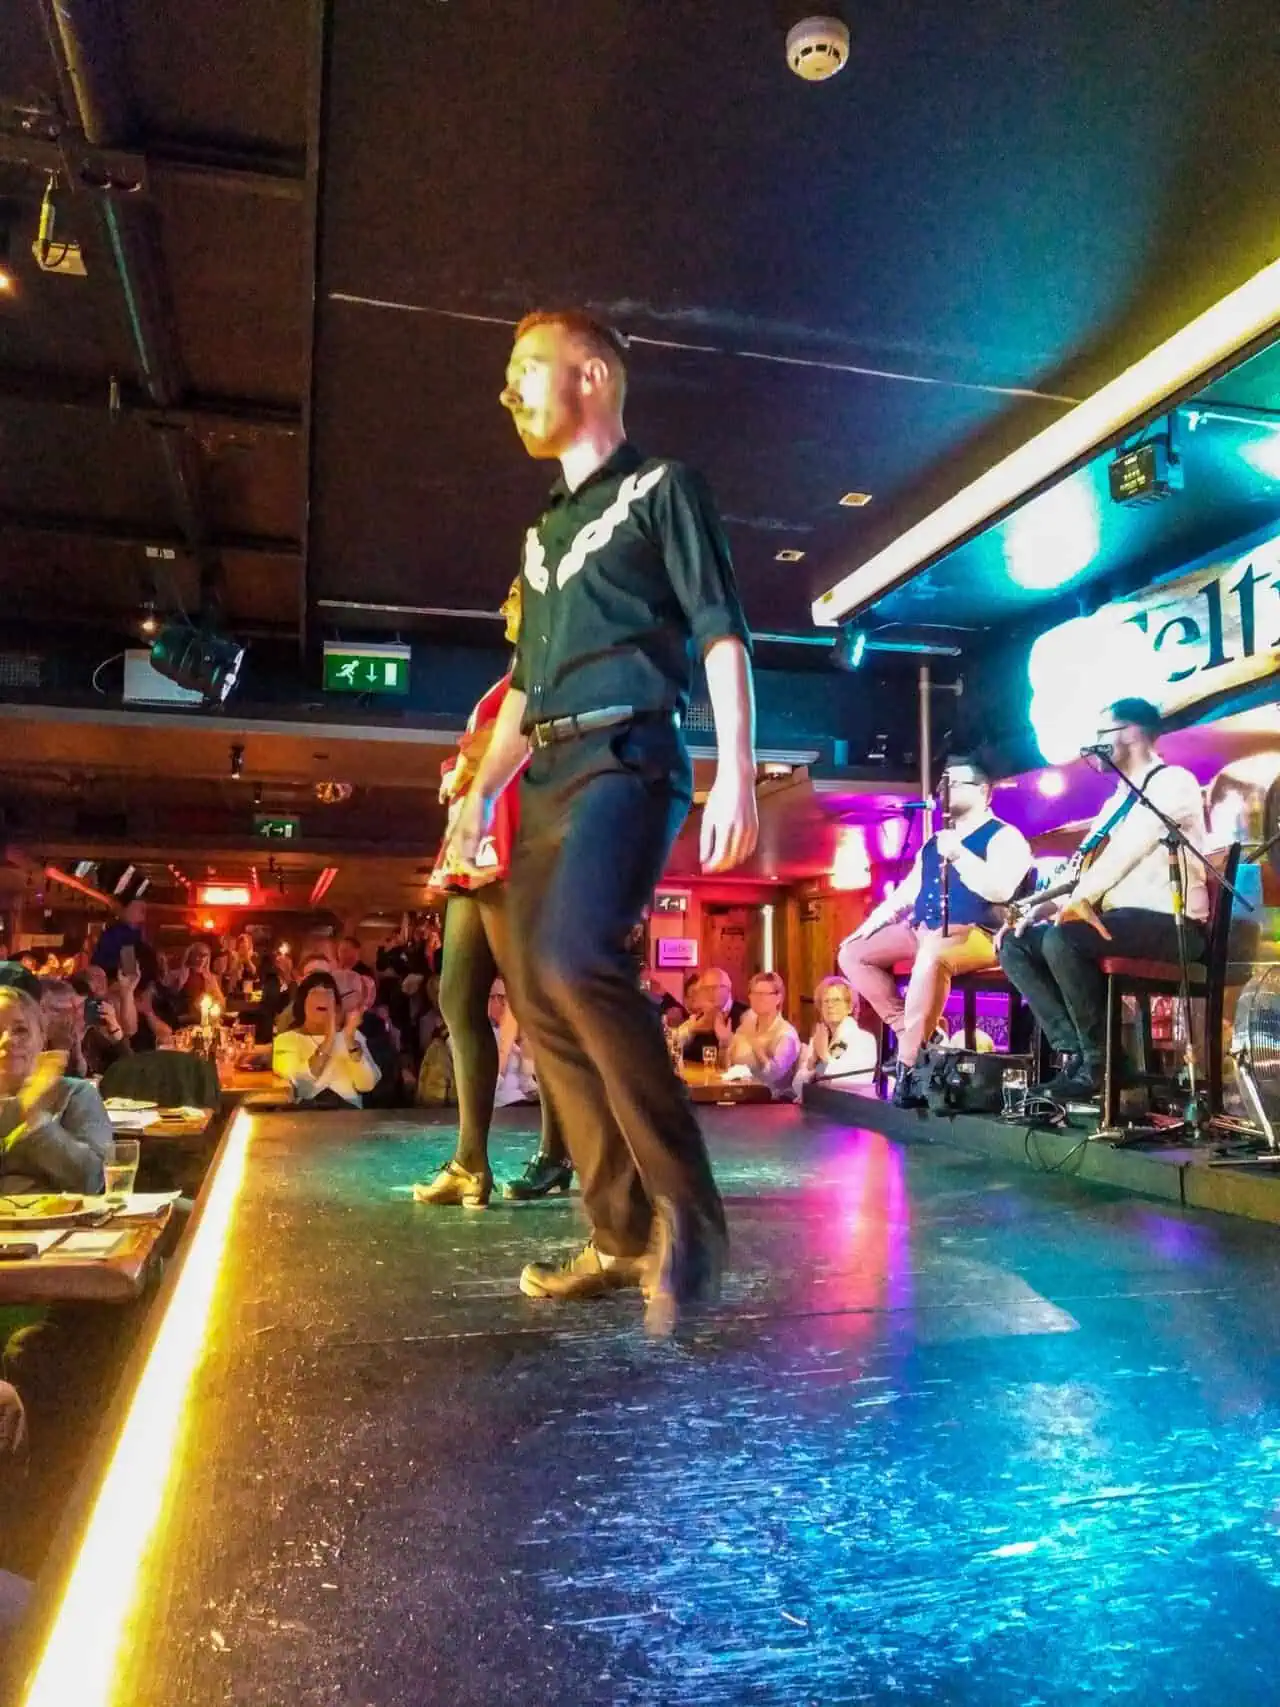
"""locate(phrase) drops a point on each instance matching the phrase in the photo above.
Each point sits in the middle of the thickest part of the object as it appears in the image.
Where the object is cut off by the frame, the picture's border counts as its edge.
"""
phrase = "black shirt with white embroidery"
(627, 582)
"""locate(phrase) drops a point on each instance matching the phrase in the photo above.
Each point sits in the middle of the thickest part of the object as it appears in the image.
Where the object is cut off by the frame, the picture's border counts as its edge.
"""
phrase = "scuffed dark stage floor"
(960, 1435)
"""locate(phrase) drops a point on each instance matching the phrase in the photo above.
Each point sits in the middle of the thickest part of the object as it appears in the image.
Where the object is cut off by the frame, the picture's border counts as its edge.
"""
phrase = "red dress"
(493, 856)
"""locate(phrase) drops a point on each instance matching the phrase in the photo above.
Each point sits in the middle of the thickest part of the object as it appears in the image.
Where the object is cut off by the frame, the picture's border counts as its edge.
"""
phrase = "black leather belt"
(557, 729)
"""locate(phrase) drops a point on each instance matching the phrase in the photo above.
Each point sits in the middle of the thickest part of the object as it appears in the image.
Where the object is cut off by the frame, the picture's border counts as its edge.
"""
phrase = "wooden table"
(193, 1125)
(706, 1085)
(242, 1081)
(116, 1279)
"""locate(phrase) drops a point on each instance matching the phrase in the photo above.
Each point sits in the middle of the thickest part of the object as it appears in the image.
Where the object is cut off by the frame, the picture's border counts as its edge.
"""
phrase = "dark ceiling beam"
(70, 154)
(85, 38)
(195, 413)
(319, 37)
(130, 534)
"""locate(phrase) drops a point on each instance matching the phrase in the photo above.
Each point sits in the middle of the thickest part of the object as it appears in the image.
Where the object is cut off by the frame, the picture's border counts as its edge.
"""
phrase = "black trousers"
(1055, 968)
(598, 820)
(477, 947)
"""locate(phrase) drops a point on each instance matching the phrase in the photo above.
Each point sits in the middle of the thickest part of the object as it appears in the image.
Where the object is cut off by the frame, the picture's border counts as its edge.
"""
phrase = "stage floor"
(962, 1434)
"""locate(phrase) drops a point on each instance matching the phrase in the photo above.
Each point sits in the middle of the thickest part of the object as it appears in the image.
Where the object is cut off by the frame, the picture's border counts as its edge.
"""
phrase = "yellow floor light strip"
(1213, 337)
(99, 1606)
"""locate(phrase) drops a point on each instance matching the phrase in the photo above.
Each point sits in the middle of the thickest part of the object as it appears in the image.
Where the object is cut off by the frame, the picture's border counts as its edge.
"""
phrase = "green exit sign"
(366, 669)
(276, 829)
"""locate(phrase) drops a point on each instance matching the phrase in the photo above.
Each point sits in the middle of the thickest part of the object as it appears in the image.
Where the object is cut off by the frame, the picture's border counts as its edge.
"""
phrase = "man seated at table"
(713, 1018)
(765, 1043)
(54, 1130)
(322, 1054)
(839, 1047)
(987, 862)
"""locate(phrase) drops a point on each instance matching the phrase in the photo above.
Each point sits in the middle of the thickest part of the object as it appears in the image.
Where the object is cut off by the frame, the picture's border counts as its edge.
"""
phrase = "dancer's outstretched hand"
(730, 821)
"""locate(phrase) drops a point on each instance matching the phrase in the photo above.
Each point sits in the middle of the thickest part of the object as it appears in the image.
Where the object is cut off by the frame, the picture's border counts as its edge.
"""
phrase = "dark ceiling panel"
(238, 270)
(233, 70)
(73, 463)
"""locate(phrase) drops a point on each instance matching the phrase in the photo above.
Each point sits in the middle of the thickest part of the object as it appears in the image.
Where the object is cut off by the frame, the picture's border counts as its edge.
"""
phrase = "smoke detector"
(817, 48)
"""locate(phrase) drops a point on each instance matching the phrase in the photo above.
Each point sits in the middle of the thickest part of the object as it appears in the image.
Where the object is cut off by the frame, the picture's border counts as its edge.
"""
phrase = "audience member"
(54, 1130)
(278, 985)
(670, 1011)
(516, 1079)
(714, 1016)
(766, 1043)
(87, 1026)
(200, 981)
(839, 1047)
(126, 937)
(322, 1054)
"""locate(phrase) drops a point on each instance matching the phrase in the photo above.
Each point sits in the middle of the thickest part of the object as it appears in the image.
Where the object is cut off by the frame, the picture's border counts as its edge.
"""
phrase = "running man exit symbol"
(371, 668)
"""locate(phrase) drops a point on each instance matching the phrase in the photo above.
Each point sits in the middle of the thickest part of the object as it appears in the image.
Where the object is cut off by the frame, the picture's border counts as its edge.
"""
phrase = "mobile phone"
(128, 960)
(93, 1010)
(14, 1251)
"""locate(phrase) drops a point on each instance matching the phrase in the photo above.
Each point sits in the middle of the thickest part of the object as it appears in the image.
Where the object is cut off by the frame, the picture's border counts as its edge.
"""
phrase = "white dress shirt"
(1133, 868)
(348, 1073)
(771, 1053)
(851, 1050)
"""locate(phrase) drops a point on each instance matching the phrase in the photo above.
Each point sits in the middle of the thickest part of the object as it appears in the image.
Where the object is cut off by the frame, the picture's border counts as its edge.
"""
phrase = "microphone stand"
(1195, 1115)
(944, 800)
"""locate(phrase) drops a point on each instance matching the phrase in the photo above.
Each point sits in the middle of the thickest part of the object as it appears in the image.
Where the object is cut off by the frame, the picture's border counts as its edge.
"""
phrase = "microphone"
(1103, 750)
(926, 805)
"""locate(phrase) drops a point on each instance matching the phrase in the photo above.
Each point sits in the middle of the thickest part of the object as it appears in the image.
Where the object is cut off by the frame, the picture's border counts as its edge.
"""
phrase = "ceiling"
(876, 284)
(1073, 535)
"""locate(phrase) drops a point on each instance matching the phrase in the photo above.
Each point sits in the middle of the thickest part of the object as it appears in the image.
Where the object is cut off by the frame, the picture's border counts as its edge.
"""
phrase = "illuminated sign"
(279, 829)
(224, 895)
(369, 668)
(670, 901)
(673, 951)
(1177, 644)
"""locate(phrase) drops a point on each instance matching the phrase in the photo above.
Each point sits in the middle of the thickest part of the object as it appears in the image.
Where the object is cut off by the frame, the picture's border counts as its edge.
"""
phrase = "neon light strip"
(94, 1617)
(1209, 339)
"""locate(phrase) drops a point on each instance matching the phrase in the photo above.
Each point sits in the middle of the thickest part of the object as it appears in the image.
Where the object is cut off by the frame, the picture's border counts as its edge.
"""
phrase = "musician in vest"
(986, 861)
(1120, 901)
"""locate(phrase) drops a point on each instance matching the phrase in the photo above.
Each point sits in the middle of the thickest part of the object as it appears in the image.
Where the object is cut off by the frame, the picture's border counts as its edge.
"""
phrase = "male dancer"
(628, 579)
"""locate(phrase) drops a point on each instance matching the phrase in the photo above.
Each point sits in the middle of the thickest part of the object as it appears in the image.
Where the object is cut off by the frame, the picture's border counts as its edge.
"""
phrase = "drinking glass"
(710, 1057)
(1013, 1089)
(121, 1166)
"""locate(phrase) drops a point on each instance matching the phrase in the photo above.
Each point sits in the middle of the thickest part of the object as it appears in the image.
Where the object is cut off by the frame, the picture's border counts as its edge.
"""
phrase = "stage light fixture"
(850, 647)
(198, 659)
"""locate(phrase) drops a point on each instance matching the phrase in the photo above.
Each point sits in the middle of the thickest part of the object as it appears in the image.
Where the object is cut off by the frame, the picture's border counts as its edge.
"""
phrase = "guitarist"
(1120, 904)
(985, 861)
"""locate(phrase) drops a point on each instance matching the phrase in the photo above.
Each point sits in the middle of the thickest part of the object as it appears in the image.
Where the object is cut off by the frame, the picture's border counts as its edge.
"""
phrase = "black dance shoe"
(543, 1174)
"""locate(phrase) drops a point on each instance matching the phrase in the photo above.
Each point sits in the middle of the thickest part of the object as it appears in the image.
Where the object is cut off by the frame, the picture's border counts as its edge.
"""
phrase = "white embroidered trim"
(593, 537)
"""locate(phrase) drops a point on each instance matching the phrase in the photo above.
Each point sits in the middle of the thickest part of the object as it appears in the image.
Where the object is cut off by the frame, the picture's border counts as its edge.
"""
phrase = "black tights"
(476, 951)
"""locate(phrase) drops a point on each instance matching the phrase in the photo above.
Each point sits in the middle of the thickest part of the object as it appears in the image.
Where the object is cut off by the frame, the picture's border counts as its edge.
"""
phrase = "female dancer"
(475, 952)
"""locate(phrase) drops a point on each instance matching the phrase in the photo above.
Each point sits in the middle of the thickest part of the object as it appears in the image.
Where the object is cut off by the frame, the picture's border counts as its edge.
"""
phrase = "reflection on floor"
(962, 1434)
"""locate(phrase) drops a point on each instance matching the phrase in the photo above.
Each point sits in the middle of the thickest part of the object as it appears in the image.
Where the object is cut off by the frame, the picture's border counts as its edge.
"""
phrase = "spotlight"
(850, 647)
(198, 659)
(237, 763)
(150, 623)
